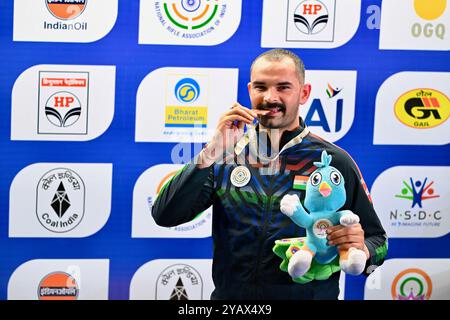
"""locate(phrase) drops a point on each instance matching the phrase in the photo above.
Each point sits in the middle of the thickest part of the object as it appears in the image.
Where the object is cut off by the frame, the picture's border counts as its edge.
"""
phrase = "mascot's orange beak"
(325, 189)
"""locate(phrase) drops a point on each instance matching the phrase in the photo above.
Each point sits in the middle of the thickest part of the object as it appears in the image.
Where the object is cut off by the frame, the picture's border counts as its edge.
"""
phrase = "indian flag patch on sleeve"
(300, 182)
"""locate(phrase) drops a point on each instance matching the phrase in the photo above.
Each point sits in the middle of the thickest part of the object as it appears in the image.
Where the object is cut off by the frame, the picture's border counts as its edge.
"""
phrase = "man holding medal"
(244, 174)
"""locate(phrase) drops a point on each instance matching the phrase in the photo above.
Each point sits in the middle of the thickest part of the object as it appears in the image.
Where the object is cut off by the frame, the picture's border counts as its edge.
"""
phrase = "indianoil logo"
(66, 9)
(58, 286)
(412, 284)
(422, 108)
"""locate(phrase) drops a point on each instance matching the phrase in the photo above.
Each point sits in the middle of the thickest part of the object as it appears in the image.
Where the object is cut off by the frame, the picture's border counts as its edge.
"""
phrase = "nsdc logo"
(422, 108)
(417, 191)
(187, 90)
(311, 17)
(66, 9)
(412, 284)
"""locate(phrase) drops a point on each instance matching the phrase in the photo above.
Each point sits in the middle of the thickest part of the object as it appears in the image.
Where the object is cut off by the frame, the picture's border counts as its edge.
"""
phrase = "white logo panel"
(412, 202)
(63, 102)
(427, 122)
(63, 20)
(184, 279)
(70, 200)
(415, 25)
(409, 279)
(193, 22)
(145, 192)
(84, 279)
(183, 104)
(309, 23)
(330, 109)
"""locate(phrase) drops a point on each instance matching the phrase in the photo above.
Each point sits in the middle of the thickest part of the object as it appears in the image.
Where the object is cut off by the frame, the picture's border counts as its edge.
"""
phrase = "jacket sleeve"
(359, 201)
(187, 194)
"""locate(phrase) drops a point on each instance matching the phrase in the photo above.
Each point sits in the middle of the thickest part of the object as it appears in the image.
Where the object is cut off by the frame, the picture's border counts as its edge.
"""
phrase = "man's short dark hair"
(280, 54)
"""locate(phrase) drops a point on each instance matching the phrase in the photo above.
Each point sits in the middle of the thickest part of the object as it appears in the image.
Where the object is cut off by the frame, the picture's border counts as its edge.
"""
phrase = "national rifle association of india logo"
(66, 9)
(60, 200)
(58, 286)
(190, 18)
(412, 284)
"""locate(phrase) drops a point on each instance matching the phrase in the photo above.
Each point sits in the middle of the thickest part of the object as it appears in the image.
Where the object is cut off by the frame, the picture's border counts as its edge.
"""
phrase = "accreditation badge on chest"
(240, 176)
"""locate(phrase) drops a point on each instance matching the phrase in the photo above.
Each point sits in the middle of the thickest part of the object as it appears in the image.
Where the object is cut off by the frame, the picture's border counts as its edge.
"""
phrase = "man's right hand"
(228, 132)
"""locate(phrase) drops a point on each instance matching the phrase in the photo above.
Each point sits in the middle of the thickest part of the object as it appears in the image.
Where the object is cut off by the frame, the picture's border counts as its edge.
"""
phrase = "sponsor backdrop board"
(102, 101)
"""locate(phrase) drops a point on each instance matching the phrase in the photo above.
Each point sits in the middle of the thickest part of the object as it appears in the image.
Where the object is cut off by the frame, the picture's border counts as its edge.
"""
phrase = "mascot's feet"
(355, 262)
(299, 263)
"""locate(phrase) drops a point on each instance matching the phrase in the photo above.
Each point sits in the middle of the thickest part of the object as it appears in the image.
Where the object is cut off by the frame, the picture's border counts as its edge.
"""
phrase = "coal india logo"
(412, 284)
(179, 282)
(190, 18)
(66, 9)
(422, 108)
(60, 200)
(58, 286)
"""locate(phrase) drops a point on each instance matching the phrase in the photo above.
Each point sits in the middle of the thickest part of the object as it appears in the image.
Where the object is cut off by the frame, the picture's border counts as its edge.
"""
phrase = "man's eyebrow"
(284, 83)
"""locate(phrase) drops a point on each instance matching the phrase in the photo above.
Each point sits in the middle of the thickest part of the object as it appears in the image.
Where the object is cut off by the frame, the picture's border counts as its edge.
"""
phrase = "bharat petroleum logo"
(422, 108)
(311, 17)
(66, 9)
(412, 284)
(58, 286)
(417, 191)
(190, 14)
(187, 90)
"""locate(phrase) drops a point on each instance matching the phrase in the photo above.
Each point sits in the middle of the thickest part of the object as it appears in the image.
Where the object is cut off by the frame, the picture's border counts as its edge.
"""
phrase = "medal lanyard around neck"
(253, 142)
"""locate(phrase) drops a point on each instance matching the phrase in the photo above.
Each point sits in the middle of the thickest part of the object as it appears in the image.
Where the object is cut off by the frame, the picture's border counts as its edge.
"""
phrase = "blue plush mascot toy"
(325, 195)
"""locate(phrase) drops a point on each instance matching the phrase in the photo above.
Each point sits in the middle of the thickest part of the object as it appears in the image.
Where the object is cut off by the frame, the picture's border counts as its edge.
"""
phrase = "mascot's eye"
(335, 177)
(316, 178)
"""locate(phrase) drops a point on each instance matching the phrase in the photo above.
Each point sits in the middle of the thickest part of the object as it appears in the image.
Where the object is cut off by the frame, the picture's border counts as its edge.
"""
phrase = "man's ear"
(304, 93)
(249, 87)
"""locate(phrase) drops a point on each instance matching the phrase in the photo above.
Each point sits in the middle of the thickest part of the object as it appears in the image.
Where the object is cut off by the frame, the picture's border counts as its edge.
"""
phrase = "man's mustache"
(268, 106)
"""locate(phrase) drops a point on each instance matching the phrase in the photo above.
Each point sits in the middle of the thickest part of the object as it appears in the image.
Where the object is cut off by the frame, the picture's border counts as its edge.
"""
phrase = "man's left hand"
(347, 237)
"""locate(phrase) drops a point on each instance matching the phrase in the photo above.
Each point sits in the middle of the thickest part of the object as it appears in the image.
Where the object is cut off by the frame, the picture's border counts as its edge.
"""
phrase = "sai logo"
(316, 114)
(63, 102)
(66, 9)
(311, 17)
(412, 284)
(187, 90)
(422, 108)
(179, 282)
(410, 192)
(60, 200)
(181, 112)
(58, 286)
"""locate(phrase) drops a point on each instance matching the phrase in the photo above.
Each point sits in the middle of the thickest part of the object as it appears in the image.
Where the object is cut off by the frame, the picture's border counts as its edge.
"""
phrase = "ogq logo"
(187, 90)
